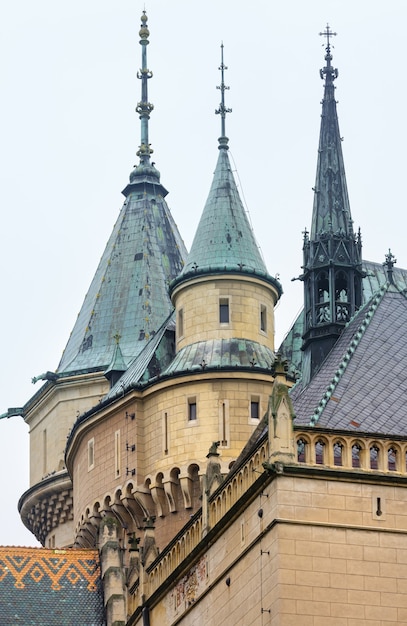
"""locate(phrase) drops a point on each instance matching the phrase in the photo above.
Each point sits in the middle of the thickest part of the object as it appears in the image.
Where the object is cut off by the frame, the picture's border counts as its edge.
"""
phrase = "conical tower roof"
(129, 292)
(224, 240)
(331, 211)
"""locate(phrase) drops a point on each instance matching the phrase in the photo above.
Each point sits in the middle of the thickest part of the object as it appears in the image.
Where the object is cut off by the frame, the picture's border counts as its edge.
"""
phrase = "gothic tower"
(332, 271)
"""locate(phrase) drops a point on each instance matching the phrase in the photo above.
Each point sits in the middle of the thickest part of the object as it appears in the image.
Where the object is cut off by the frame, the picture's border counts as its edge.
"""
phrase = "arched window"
(342, 310)
(356, 455)
(322, 288)
(338, 451)
(319, 452)
(374, 457)
(392, 459)
(301, 450)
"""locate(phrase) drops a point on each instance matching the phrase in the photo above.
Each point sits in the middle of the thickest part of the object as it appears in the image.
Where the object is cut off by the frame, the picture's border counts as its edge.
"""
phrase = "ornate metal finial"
(222, 109)
(117, 336)
(389, 264)
(144, 107)
(328, 72)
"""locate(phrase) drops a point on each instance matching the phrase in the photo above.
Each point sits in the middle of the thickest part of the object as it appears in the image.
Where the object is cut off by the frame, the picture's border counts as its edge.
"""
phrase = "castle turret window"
(224, 310)
(192, 412)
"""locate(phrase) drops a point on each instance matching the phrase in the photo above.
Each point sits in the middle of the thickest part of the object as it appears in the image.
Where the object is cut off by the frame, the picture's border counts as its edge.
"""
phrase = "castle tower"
(126, 304)
(332, 271)
(224, 291)
(151, 434)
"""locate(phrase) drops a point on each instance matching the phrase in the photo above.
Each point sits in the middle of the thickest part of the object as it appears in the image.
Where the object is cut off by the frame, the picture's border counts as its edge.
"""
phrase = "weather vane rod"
(222, 109)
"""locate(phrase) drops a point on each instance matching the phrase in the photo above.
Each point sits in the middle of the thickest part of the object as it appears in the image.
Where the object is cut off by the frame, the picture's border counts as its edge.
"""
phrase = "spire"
(331, 211)
(332, 251)
(223, 140)
(144, 107)
(224, 240)
(129, 292)
(144, 170)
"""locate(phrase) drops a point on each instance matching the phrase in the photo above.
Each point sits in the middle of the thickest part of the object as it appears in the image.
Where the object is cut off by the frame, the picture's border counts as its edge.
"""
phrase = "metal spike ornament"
(222, 110)
(144, 107)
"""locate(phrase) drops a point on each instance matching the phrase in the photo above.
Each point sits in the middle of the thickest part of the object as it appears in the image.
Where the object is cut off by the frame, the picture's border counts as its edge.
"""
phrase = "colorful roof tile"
(50, 587)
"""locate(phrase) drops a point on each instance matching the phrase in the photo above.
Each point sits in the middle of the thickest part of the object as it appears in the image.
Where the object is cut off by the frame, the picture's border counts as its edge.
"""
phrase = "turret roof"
(129, 292)
(224, 240)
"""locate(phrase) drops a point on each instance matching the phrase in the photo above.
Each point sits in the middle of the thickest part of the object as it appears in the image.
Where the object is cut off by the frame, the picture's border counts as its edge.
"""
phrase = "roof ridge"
(377, 298)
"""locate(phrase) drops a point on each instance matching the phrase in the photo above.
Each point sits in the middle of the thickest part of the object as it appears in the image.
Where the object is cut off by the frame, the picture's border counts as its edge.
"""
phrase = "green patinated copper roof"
(128, 296)
(331, 211)
(50, 587)
(224, 239)
(221, 353)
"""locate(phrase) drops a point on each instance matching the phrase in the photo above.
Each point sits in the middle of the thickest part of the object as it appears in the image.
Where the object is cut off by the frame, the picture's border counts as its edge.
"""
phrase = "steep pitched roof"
(331, 211)
(128, 296)
(362, 384)
(224, 237)
(50, 587)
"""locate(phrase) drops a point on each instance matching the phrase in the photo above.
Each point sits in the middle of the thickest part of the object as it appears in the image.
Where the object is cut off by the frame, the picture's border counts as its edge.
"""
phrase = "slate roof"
(44, 587)
(376, 277)
(362, 384)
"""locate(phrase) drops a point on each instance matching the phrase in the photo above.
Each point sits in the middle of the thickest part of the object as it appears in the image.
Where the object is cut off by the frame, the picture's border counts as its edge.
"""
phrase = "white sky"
(69, 136)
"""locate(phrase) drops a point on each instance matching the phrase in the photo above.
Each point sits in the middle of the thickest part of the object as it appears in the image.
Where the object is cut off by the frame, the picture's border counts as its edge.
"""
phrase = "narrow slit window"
(224, 310)
(117, 453)
(180, 323)
(91, 454)
(263, 318)
(165, 433)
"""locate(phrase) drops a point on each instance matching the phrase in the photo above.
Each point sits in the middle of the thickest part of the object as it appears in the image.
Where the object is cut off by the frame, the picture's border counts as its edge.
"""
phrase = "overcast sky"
(69, 136)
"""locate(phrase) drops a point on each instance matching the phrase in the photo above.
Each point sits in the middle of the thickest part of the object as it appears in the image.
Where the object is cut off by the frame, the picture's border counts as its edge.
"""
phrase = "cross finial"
(327, 33)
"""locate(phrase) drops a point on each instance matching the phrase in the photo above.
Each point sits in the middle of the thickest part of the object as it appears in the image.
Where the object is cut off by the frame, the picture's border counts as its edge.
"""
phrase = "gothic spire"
(331, 212)
(332, 251)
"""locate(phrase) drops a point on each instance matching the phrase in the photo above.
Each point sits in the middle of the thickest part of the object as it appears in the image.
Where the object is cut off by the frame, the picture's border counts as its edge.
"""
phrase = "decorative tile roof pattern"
(362, 384)
(129, 292)
(50, 587)
(221, 353)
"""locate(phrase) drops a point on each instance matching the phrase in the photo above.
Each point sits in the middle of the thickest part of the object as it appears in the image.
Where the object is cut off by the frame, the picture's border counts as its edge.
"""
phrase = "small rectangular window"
(263, 318)
(180, 330)
(192, 413)
(91, 454)
(254, 408)
(224, 310)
